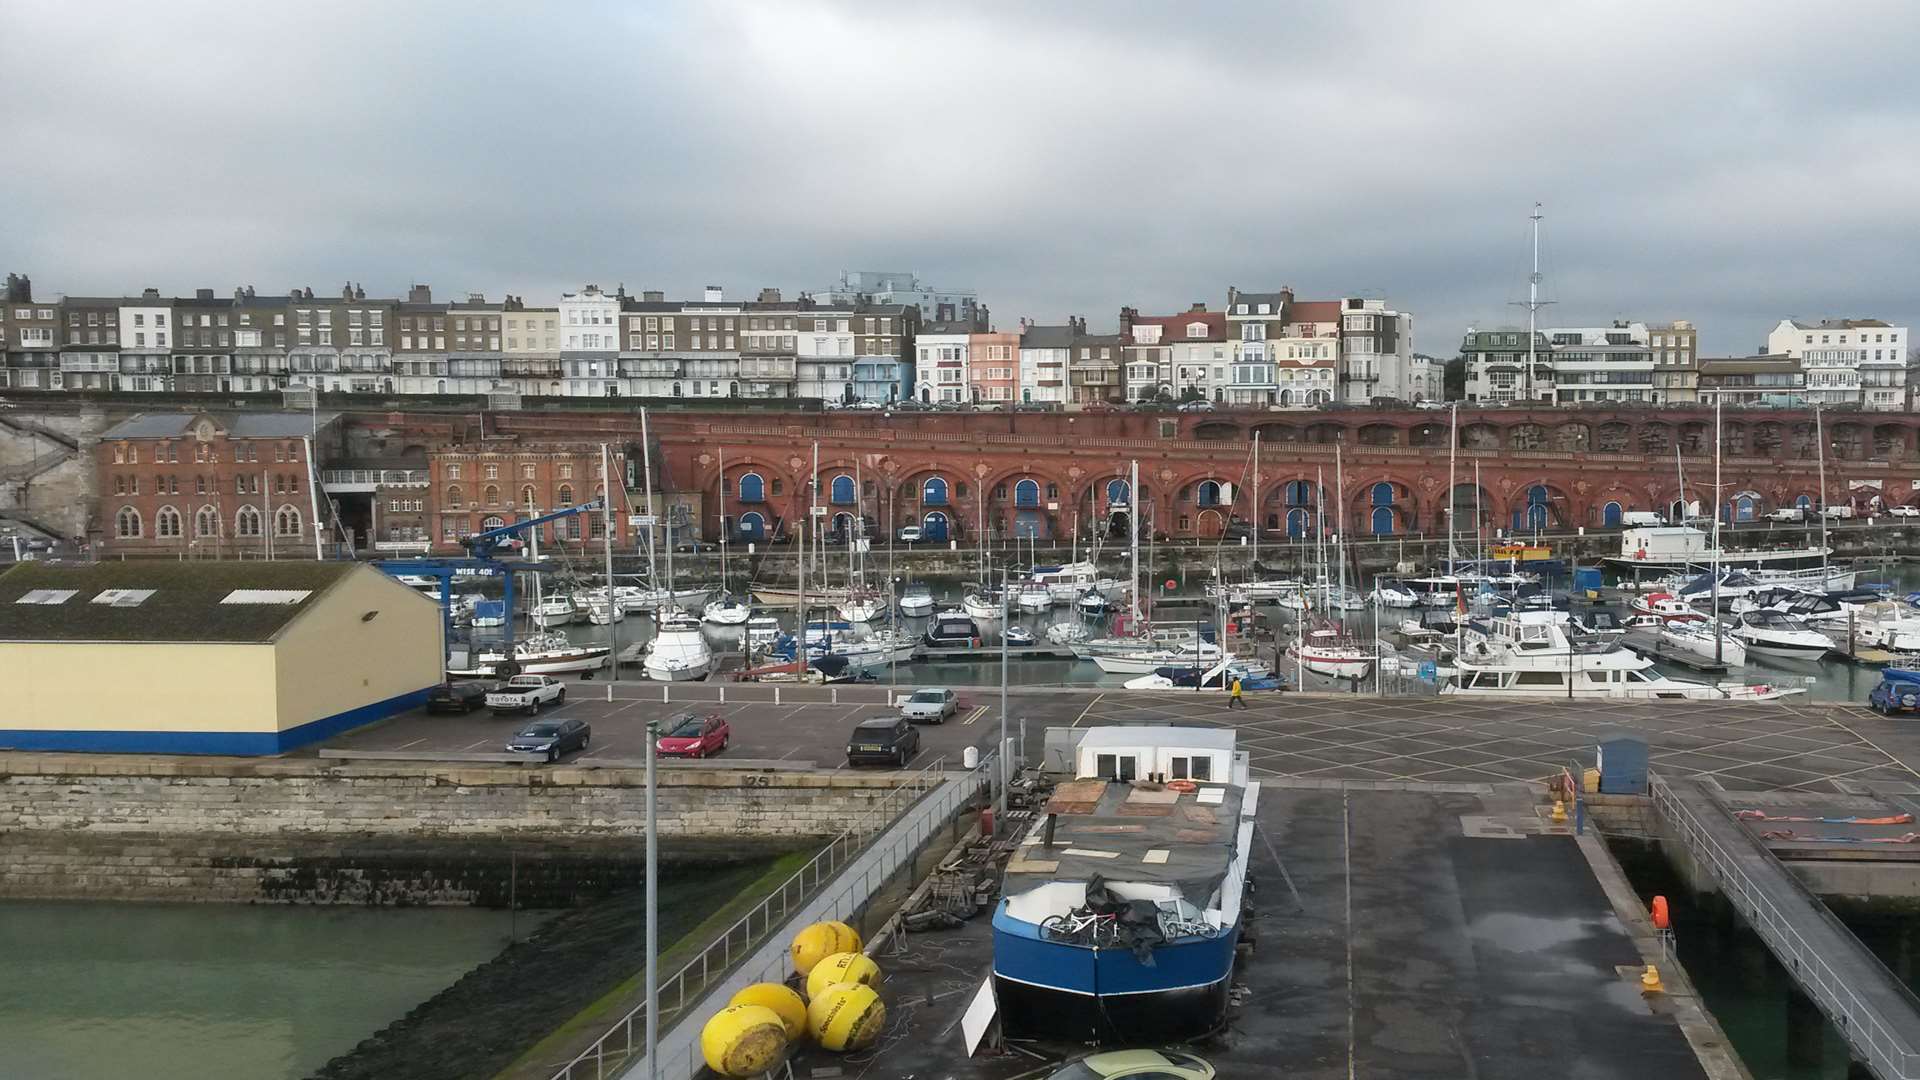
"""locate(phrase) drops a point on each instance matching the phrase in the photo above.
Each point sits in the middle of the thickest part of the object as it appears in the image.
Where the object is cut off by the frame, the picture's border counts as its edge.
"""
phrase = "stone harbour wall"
(309, 831)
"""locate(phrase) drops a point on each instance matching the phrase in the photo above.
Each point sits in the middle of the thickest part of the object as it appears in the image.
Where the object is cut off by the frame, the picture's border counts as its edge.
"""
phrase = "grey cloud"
(1732, 163)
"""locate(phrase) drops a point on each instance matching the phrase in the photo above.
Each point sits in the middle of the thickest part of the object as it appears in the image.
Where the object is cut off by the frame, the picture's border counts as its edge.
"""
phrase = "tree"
(1454, 380)
(1191, 393)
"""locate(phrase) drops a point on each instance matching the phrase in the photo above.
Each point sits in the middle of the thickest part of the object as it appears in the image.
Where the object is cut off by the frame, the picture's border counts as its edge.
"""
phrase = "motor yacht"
(1032, 597)
(1773, 633)
(678, 652)
(727, 610)
(916, 600)
(1705, 639)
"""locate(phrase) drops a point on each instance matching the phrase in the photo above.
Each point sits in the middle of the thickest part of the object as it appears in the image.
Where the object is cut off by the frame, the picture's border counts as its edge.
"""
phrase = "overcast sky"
(1733, 163)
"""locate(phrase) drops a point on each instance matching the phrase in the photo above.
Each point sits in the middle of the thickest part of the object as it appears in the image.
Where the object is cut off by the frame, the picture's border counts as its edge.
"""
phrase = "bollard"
(723, 694)
(836, 694)
(1650, 981)
(1559, 811)
(776, 695)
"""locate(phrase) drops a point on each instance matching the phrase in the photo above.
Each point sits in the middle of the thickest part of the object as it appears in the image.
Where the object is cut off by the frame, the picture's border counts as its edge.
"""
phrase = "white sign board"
(978, 1017)
(643, 521)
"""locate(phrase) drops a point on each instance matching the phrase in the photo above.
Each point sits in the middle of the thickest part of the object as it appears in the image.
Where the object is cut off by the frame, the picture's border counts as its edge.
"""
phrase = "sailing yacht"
(1328, 652)
(1139, 661)
(726, 610)
(537, 654)
(1393, 594)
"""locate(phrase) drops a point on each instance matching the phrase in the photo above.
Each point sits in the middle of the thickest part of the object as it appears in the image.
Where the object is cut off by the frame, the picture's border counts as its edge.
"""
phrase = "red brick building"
(476, 488)
(206, 485)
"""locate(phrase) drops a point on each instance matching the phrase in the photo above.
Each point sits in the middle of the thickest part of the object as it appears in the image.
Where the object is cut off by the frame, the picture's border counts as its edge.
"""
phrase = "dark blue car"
(1898, 692)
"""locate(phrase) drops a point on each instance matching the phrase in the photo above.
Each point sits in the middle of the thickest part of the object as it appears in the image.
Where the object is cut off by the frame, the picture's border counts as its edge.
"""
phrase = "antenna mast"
(1533, 305)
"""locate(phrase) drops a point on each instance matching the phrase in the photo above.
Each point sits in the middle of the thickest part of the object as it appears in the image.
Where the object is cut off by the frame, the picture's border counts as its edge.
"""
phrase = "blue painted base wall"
(240, 743)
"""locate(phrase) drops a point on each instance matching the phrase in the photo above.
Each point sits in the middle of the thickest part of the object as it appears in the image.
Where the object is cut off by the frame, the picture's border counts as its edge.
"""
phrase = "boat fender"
(1187, 786)
(1661, 919)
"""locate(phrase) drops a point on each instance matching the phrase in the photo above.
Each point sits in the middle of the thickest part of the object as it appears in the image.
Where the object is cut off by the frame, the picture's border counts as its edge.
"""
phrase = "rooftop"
(1047, 337)
(1127, 832)
(284, 425)
(1315, 311)
(183, 601)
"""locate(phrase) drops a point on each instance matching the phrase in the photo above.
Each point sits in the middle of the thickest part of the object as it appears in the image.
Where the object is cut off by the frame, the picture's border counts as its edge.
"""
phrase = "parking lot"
(806, 725)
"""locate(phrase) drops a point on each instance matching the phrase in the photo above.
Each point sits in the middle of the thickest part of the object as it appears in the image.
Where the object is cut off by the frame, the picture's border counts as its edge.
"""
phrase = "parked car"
(1903, 511)
(550, 738)
(1197, 406)
(526, 693)
(694, 735)
(886, 740)
(460, 697)
(1838, 513)
(1135, 1065)
(910, 534)
(1788, 514)
(930, 705)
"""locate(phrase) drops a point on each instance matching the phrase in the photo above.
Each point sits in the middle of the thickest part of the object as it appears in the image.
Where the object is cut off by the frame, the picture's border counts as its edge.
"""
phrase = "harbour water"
(189, 991)
(1832, 679)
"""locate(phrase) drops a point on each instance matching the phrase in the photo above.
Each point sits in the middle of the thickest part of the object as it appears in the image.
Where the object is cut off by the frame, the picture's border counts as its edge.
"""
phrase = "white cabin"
(1181, 753)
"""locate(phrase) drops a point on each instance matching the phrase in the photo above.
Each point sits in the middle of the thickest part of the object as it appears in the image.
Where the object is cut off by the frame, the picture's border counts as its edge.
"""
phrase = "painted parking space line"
(410, 745)
(1088, 709)
(976, 714)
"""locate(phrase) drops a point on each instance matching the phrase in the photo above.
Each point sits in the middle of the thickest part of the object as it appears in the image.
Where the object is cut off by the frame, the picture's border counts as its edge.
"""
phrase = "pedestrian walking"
(1233, 695)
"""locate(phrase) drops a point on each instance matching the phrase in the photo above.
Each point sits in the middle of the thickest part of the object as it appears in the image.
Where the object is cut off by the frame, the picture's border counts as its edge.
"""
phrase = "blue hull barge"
(1121, 909)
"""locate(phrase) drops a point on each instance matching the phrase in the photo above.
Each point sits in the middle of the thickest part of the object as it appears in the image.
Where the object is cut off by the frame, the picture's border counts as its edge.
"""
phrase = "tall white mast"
(1340, 522)
(1820, 504)
(1254, 502)
(1719, 633)
(613, 628)
(1533, 298)
(1133, 539)
(646, 489)
(724, 538)
(1453, 451)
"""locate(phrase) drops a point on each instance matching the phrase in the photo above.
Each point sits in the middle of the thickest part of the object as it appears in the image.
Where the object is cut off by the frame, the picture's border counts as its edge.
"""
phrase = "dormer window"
(1197, 330)
(1266, 309)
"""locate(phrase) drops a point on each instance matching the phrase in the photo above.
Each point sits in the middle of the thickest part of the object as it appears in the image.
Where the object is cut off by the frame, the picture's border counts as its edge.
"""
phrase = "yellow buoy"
(783, 1000)
(821, 940)
(743, 1040)
(846, 967)
(846, 1016)
(1650, 981)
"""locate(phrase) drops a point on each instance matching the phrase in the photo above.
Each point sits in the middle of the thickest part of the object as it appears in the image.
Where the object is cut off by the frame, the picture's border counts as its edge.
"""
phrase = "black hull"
(1028, 1011)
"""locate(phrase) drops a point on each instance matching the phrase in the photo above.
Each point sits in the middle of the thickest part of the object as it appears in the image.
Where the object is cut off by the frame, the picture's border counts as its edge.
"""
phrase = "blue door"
(1026, 493)
(1030, 524)
(1296, 524)
(934, 527)
(842, 494)
(1610, 515)
(934, 492)
(752, 527)
(1382, 520)
(1116, 493)
(752, 488)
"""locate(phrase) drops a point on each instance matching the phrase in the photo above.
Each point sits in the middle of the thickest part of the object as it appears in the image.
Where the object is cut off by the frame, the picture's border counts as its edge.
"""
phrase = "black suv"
(885, 740)
(460, 697)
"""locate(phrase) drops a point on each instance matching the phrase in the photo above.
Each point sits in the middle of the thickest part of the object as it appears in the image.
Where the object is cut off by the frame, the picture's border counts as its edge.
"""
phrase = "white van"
(1639, 518)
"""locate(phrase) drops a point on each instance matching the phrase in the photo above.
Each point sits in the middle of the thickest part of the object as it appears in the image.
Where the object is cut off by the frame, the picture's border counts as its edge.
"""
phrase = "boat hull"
(916, 607)
(1066, 992)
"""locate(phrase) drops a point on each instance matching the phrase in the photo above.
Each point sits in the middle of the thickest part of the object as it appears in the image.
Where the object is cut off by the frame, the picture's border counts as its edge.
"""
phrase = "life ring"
(1182, 785)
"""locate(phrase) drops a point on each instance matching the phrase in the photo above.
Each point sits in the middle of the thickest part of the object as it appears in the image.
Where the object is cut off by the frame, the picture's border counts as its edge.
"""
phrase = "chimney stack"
(1197, 308)
(653, 296)
(769, 296)
(203, 294)
(714, 294)
(420, 294)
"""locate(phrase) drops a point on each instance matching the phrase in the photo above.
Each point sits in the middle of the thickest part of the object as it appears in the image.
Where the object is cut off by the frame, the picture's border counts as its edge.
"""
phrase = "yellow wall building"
(209, 657)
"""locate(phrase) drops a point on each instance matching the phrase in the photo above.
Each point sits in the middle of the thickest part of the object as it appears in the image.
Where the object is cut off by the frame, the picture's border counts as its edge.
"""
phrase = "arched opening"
(1655, 438)
(1480, 437)
(286, 522)
(166, 523)
(752, 488)
(454, 497)
(1382, 521)
(840, 491)
(1610, 515)
(1026, 494)
(842, 527)
(1210, 524)
(1526, 437)
(1570, 437)
(1299, 519)
(126, 524)
(1612, 437)
(934, 526)
(1382, 494)
(1216, 431)
(1538, 512)
(527, 498)
(752, 527)
(934, 491)
(1212, 493)
(1471, 508)
(1379, 435)
(1116, 493)
(566, 494)
(1804, 502)
(491, 495)
(206, 522)
(1744, 506)
(1031, 525)
(247, 522)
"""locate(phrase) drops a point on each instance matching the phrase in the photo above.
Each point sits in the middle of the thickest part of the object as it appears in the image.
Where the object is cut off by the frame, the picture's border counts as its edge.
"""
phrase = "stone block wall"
(293, 831)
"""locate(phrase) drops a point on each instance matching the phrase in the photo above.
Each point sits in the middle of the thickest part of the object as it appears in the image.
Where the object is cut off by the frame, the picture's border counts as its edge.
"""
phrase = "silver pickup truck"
(527, 693)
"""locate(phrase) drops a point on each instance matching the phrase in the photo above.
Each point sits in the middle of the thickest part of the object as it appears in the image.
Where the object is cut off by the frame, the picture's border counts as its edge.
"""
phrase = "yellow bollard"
(1559, 811)
(1650, 981)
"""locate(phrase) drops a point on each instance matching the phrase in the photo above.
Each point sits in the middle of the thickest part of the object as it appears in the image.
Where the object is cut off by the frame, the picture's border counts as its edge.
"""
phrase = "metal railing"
(1871, 1037)
(618, 1046)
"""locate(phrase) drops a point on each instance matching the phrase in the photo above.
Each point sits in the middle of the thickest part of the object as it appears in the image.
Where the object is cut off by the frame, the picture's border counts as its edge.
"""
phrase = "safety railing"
(1889, 1052)
(618, 1046)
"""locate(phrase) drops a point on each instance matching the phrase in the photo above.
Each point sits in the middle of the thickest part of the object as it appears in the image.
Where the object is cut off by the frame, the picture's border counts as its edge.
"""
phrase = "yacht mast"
(722, 495)
(613, 627)
(1820, 504)
(1453, 452)
(1340, 522)
(1320, 531)
(1253, 568)
(1713, 587)
(646, 488)
(1133, 540)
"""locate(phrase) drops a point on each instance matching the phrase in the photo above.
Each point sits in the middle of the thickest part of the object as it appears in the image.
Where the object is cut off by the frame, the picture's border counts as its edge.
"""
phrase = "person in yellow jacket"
(1233, 695)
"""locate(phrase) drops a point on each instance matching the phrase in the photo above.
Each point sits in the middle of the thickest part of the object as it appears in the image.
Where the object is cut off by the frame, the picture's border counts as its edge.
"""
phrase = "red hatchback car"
(694, 735)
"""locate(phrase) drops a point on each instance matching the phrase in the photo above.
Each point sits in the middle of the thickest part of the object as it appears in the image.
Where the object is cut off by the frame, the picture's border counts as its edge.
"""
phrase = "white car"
(1903, 511)
(910, 534)
(1143, 1064)
(1836, 513)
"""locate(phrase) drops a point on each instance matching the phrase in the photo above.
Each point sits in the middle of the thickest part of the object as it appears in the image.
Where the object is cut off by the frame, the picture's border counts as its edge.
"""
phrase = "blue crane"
(483, 550)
